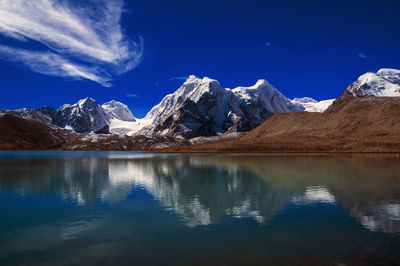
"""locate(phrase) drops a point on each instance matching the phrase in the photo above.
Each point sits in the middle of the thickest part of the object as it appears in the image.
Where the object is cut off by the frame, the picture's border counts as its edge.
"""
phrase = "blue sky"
(139, 51)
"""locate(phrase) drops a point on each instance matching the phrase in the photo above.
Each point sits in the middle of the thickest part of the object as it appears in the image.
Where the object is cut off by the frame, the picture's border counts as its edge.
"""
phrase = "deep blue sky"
(303, 48)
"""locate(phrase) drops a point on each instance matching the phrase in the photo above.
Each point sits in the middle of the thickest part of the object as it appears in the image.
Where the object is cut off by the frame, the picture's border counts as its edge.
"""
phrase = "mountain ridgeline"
(200, 107)
(201, 110)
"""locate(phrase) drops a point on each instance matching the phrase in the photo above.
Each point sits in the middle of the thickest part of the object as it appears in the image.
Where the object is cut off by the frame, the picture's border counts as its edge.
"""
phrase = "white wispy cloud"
(363, 56)
(274, 46)
(131, 95)
(80, 39)
(268, 44)
(178, 78)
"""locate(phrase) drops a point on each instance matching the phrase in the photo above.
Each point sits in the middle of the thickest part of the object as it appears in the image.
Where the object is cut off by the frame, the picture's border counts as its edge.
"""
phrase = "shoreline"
(215, 152)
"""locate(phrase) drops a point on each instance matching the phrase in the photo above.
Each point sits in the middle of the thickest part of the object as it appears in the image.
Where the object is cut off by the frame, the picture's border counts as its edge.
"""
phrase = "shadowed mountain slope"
(17, 133)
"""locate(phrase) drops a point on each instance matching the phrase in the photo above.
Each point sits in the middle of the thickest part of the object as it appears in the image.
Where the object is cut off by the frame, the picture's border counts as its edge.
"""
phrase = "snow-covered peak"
(192, 79)
(311, 105)
(393, 75)
(87, 103)
(304, 100)
(193, 82)
(192, 88)
(203, 107)
(189, 85)
(384, 83)
(261, 83)
(64, 106)
(263, 94)
(84, 116)
(206, 85)
(118, 110)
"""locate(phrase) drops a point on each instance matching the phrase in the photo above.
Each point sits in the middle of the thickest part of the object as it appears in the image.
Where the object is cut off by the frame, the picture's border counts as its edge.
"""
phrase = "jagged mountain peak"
(384, 83)
(112, 102)
(202, 107)
(206, 85)
(192, 79)
(264, 94)
(305, 100)
(388, 71)
(84, 116)
(390, 74)
(192, 88)
(262, 83)
(117, 110)
(82, 103)
(65, 105)
(87, 103)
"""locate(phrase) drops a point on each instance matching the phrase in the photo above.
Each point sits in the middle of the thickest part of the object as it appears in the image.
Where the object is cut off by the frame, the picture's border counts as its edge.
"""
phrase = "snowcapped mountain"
(83, 117)
(264, 94)
(311, 105)
(33, 114)
(170, 101)
(202, 107)
(118, 110)
(384, 83)
(260, 101)
(121, 119)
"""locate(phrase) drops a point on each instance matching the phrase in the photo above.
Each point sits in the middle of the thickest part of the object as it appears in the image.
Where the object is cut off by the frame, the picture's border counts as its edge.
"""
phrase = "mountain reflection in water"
(203, 188)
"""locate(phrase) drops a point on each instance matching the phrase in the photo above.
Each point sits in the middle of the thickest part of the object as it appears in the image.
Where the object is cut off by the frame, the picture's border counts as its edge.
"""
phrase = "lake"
(118, 208)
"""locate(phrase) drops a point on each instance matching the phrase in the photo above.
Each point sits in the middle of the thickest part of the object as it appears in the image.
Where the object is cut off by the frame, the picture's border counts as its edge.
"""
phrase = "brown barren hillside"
(17, 133)
(351, 124)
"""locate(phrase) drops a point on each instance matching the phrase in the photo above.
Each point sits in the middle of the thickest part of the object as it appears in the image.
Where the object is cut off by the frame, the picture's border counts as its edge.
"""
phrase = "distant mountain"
(18, 133)
(311, 105)
(44, 115)
(83, 117)
(384, 83)
(202, 107)
(118, 110)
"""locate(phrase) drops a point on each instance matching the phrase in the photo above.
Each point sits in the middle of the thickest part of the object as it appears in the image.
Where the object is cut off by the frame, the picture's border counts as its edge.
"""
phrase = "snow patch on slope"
(128, 128)
(311, 105)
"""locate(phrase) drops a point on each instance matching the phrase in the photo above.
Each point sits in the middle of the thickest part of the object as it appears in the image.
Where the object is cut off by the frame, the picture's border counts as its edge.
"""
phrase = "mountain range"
(199, 109)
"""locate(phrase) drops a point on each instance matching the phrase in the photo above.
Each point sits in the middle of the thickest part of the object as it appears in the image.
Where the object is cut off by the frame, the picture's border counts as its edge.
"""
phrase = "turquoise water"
(63, 208)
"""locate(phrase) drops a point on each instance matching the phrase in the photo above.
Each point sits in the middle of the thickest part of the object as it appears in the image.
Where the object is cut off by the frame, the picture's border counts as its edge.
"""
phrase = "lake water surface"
(134, 208)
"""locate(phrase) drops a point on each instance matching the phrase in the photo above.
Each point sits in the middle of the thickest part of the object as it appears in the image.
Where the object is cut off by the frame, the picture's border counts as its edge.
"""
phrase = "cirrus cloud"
(82, 41)
(363, 56)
